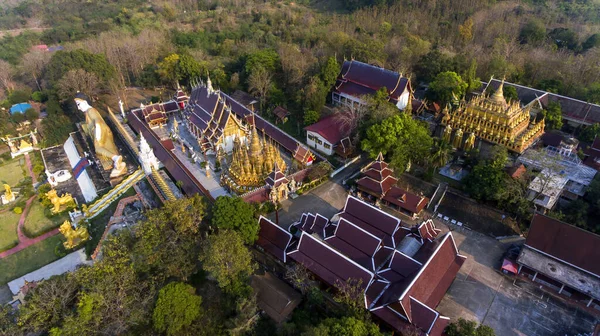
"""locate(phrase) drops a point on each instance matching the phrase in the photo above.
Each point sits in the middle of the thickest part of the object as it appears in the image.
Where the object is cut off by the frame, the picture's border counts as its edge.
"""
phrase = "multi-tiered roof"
(402, 272)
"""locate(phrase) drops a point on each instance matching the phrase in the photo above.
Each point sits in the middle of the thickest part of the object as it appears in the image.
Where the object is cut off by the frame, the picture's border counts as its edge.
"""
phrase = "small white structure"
(78, 164)
(546, 188)
(147, 156)
(58, 177)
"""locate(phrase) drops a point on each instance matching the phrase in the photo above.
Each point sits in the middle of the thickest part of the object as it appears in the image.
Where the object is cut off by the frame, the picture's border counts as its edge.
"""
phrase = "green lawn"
(37, 223)
(8, 229)
(29, 259)
(11, 173)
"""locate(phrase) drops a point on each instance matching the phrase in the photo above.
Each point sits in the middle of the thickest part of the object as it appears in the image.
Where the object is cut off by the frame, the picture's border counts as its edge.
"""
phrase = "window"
(311, 137)
(327, 146)
(319, 141)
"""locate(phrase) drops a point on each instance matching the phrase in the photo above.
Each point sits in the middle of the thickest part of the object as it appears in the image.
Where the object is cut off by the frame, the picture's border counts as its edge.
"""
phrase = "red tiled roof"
(329, 265)
(331, 128)
(593, 155)
(565, 242)
(516, 171)
(371, 216)
(273, 238)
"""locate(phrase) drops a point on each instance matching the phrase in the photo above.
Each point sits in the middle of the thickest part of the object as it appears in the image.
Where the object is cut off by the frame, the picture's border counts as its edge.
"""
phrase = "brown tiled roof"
(328, 264)
(565, 242)
(355, 243)
(274, 296)
(280, 112)
(406, 200)
(273, 238)
(593, 155)
(516, 171)
(276, 178)
(331, 128)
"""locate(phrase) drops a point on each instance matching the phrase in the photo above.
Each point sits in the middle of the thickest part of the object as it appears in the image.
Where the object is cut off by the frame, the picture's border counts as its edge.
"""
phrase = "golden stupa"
(493, 119)
(250, 164)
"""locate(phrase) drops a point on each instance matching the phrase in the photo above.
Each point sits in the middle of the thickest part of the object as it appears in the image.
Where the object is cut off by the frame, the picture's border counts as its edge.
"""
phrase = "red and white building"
(327, 134)
(563, 258)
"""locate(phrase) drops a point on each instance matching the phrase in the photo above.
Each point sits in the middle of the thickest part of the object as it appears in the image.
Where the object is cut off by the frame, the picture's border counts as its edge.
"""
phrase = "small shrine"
(21, 144)
(493, 119)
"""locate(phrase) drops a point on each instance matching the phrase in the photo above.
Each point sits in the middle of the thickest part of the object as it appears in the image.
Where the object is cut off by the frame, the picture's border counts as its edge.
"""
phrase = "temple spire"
(498, 96)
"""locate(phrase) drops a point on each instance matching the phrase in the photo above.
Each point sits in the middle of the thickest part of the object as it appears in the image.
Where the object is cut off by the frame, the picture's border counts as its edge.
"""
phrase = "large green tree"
(64, 61)
(229, 261)
(589, 133)
(232, 213)
(330, 72)
(553, 116)
(177, 308)
(49, 303)
(167, 241)
(401, 138)
(175, 68)
(446, 87)
(486, 180)
(349, 326)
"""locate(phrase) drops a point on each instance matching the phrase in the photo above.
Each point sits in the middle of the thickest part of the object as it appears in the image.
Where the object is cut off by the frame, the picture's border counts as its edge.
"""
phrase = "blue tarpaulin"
(20, 108)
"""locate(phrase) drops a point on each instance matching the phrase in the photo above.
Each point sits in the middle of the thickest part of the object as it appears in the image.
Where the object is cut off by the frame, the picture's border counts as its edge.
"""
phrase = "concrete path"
(210, 183)
(24, 241)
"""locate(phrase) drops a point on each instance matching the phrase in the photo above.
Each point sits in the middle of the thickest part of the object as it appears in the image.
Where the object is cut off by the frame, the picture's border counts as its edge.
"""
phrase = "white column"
(520, 267)
(590, 303)
(534, 276)
(561, 289)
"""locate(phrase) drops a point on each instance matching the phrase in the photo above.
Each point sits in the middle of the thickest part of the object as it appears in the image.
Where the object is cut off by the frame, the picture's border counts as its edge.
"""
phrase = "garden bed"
(37, 223)
(8, 230)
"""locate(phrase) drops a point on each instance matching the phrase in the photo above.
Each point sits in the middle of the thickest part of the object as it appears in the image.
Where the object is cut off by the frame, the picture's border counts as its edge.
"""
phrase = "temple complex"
(493, 119)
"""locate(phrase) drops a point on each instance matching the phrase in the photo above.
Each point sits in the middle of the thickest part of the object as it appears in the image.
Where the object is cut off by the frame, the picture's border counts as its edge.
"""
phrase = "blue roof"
(21, 108)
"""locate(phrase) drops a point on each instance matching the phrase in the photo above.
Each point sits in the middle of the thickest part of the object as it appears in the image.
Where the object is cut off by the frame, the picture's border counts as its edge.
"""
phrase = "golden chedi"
(250, 164)
(493, 119)
(104, 143)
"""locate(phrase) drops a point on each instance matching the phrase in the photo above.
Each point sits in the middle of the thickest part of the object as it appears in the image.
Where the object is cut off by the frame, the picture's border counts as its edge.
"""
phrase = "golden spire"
(498, 96)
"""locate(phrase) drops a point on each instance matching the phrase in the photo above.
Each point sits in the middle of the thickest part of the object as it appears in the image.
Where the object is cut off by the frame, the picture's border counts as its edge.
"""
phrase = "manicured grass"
(8, 229)
(11, 173)
(37, 223)
(29, 259)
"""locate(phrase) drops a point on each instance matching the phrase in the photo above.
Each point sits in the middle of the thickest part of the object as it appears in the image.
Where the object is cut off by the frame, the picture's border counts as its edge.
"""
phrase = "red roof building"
(378, 181)
(402, 272)
(273, 238)
(564, 258)
(327, 133)
(358, 79)
(592, 155)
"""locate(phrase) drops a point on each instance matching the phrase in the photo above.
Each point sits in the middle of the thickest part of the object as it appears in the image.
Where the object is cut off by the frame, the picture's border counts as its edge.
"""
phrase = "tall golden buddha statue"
(104, 143)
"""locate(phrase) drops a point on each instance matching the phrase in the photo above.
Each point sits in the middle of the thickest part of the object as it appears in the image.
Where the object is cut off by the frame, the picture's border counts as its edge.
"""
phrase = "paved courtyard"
(507, 304)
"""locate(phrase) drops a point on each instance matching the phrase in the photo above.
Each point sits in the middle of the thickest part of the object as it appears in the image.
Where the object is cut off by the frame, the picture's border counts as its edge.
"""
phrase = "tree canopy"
(232, 213)
(446, 87)
(399, 137)
(176, 308)
(463, 327)
(228, 260)
(486, 181)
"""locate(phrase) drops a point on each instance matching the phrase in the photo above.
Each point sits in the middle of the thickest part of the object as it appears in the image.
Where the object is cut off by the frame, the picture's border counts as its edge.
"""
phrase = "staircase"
(115, 193)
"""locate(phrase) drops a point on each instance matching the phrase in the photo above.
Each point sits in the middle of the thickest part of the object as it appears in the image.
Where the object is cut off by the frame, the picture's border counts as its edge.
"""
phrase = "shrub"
(18, 210)
(60, 250)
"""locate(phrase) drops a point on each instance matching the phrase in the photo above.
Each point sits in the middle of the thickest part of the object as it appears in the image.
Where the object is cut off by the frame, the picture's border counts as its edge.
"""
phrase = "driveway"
(509, 305)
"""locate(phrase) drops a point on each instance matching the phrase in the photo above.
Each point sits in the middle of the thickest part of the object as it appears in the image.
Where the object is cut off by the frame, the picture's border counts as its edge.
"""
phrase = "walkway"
(24, 241)
(28, 161)
(211, 183)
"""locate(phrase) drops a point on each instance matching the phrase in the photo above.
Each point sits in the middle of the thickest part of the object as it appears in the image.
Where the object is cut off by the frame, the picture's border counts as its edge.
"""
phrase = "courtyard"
(508, 304)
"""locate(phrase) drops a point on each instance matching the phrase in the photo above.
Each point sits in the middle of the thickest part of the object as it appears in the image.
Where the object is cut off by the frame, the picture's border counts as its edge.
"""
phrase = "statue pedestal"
(6, 200)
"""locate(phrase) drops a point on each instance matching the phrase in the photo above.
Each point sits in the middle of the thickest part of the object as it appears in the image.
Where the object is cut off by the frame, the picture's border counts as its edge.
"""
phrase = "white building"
(358, 79)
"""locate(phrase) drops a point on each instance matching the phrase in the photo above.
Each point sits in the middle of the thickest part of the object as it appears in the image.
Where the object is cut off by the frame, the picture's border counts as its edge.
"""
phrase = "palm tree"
(441, 153)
